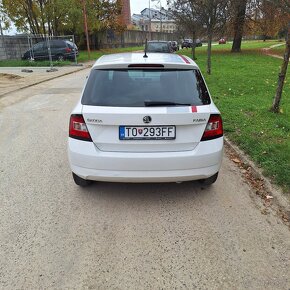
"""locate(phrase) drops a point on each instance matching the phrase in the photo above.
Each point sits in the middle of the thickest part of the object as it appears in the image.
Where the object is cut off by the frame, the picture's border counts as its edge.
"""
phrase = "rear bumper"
(145, 176)
(89, 163)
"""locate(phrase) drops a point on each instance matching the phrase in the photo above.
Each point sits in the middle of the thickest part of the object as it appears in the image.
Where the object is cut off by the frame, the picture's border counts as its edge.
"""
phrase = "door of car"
(37, 50)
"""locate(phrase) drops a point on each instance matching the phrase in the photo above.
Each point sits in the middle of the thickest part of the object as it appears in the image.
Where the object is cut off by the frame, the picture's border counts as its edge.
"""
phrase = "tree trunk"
(281, 78)
(42, 18)
(193, 46)
(209, 41)
(240, 10)
(49, 26)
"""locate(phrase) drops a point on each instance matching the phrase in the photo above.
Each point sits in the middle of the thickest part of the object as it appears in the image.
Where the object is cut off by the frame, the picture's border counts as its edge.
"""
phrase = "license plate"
(147, 133)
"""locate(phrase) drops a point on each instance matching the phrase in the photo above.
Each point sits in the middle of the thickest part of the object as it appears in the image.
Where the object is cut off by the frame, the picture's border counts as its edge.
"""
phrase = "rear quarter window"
(132, 88)
(58, 44)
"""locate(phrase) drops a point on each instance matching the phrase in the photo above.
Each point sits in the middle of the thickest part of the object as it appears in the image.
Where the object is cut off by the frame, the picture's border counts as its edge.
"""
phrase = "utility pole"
(150, 20)
(160, 14)
(86, 28)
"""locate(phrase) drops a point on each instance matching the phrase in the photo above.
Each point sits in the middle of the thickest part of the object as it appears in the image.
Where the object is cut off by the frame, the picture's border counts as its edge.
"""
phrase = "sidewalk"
(13, 78)
(267, 51)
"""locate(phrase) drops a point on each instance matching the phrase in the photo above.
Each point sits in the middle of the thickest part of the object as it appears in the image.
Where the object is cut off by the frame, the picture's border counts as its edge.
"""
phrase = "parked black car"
(187, 43)
(60, 50)
(159, 46)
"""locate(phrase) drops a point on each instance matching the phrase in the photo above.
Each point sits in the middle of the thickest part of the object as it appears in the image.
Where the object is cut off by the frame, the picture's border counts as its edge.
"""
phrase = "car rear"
(146, 121)
(159, 46)
(71, 50)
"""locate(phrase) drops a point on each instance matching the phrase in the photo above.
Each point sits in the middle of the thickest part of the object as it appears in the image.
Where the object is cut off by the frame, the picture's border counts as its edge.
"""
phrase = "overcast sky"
(138, 5)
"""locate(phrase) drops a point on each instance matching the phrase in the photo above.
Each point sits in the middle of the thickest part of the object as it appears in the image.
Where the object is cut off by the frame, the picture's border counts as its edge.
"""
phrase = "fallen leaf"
(236, 160)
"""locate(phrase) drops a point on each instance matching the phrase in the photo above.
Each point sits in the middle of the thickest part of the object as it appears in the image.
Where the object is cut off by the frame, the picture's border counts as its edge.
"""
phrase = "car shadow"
(149, 192)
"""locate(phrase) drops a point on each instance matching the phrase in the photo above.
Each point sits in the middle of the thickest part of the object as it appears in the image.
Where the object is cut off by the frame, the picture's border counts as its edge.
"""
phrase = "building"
(154, 20)
(126, 12)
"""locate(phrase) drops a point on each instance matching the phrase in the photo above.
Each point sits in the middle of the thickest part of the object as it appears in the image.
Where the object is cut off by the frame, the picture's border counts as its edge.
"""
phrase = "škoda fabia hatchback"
(145, 118)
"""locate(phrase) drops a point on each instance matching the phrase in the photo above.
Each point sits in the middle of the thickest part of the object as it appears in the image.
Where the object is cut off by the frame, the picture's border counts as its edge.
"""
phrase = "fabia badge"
(147, 119)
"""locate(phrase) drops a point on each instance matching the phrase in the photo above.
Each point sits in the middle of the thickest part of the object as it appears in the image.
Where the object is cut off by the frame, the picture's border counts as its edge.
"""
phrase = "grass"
(24, 63)
(243, 86)
(246, 45)
(83, 57)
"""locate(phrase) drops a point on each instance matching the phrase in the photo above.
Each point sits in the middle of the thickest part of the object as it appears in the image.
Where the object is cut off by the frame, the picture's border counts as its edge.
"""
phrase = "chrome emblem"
(147, 119)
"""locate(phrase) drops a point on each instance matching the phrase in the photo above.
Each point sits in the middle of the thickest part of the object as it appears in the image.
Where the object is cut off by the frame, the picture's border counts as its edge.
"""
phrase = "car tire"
(80, 181)
(60, 57)
(210, 180)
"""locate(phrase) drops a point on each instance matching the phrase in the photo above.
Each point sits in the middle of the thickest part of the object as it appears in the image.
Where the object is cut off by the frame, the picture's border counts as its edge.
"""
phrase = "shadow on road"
(146, 192)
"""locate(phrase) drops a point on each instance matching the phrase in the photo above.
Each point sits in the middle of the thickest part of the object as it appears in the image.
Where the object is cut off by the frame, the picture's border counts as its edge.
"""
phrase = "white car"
(145, 118)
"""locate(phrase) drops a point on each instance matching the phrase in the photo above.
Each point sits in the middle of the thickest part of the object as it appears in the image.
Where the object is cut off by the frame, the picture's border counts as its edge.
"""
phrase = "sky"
(138, 5)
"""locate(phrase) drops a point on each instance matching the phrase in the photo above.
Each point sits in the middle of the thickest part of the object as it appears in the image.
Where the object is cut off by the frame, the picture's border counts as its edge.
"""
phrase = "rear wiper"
(163, 103)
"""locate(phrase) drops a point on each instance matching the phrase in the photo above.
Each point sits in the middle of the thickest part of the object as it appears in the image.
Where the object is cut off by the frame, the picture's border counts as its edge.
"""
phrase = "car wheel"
(210, 180)
(80, 181)
(60, 57)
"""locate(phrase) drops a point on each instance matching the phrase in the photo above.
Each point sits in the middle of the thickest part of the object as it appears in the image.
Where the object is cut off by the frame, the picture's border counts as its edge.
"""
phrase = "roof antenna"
(145, 55)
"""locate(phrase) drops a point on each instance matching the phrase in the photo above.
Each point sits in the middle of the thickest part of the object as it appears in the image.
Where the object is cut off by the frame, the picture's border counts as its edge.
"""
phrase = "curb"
(279, 203)
(43, 81)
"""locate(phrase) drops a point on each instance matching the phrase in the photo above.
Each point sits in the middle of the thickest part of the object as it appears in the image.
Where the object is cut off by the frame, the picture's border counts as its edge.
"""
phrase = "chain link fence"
(39, 47)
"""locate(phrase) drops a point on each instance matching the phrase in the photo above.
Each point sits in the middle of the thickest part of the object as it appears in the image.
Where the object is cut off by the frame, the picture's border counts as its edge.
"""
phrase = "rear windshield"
(157, 47)
(135, 88)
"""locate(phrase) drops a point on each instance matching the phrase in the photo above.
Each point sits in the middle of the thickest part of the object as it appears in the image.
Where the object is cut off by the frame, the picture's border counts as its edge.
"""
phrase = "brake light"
(78, 128)
(214, 128)
(67, 49)
(140, 65)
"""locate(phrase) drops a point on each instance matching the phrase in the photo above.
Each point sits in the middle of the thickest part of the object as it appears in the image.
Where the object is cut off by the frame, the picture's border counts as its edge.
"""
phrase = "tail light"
(214, 128)
(78, 128)
(67, 49)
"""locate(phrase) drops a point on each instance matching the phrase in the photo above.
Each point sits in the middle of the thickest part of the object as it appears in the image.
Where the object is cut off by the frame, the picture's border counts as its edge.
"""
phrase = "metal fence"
(39, 47)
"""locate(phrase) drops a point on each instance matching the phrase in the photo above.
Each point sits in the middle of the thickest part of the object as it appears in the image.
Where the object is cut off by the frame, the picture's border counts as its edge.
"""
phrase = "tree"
(265, 19)
(184, 13)
(4, 20)
(211, 15)
(56, 16)
(239, 12)
(285, 6)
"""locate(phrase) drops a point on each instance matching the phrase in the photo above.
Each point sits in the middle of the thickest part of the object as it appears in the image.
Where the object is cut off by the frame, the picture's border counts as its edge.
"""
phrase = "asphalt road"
(55, 235)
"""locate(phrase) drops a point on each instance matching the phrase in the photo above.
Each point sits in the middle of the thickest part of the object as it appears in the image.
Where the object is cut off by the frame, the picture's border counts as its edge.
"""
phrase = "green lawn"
(243, 86)
(246, 45)
(24, 63)
(83, 55)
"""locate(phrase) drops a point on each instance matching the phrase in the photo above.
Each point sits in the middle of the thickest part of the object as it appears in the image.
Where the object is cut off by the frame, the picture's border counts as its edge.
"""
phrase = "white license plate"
(147, 133)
